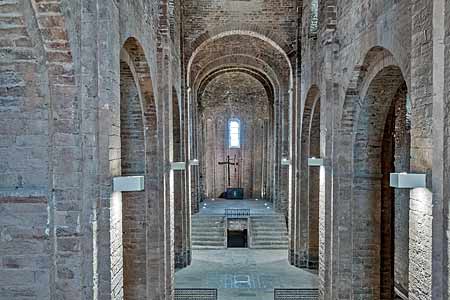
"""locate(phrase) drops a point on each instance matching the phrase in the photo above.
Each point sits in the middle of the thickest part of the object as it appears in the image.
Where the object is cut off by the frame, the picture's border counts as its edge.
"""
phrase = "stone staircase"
(208, 232)
(269, 232)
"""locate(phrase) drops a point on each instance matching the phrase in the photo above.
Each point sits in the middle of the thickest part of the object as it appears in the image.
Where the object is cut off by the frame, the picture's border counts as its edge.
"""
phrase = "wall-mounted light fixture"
(285, 162)
(408, 181)
(194, 162)
(179, 166)
(128, 184)
(315, 162)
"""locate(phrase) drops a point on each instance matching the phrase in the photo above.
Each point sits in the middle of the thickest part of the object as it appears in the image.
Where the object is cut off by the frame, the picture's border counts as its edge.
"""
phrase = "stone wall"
(203, 19)
(60, 95)
(338, 62)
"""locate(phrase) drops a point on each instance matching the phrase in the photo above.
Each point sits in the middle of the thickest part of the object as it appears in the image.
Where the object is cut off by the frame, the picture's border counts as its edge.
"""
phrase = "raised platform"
(267, 229)
(217, 206)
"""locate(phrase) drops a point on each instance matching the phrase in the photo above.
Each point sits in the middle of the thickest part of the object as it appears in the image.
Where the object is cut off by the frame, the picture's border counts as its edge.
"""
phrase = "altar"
(234, 193)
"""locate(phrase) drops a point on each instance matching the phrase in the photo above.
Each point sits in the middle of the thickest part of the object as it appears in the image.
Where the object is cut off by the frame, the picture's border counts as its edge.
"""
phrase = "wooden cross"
(228, 163)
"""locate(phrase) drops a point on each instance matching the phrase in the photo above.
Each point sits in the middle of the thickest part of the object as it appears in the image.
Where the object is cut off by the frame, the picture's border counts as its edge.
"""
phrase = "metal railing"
(237, 212)
(195, 294)
(295, 294)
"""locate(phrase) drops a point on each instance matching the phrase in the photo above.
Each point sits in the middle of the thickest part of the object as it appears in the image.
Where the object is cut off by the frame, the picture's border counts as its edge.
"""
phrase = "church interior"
(224, 149)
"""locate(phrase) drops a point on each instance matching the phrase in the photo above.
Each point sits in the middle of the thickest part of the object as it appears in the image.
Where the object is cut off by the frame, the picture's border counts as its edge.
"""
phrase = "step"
(209, 233)
(197, 247)
(269, 232)
(270, 247)
(273, 228)
(207, 239)
(210, 243)
(208, 228)
(266, 242)
(264, 238)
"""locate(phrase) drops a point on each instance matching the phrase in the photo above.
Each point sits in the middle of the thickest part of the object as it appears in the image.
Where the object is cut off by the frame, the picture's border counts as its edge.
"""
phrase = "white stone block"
(408, 181)
(194, 162)
(128, 184)
(315, 162)
(179, 166)
(285, 162)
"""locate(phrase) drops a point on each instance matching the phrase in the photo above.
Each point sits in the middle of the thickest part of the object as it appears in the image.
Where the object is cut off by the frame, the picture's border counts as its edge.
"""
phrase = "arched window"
(234, 133)
(314, 17)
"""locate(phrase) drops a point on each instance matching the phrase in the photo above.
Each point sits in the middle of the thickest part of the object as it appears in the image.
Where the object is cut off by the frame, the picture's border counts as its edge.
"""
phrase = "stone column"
(441, 162)
(420, 232)
(329, 202)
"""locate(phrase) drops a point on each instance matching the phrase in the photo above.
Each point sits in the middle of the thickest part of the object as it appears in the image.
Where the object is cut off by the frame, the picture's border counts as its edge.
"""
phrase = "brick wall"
(342, 49)
(206, 18)
(59, 90)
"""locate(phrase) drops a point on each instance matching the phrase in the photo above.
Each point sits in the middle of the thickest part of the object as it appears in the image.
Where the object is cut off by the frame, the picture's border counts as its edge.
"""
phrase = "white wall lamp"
(194, 162)
(315, 162)
(285, 162)
(179, 166)
(128, 184)
(408, 181)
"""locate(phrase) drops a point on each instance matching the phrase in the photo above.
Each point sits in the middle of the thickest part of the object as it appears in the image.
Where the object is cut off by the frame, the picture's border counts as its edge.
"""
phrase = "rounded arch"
(181, 212)
(364, 150)
(133, 52)
(271, 46)
(228, 95)
(132, 163)
(240, 61)
(254, 73)
(230, 28)
(376, 59)
(133, 143)
(307, 202)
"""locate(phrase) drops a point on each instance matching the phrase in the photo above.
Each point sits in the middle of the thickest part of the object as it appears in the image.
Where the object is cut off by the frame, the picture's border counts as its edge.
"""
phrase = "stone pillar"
(441, 162)
(330, 202)
(187, 154)
(420, 232)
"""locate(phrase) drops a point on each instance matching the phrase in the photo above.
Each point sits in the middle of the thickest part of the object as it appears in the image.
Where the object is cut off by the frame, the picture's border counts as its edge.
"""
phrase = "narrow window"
(234, 129)
(314, 17)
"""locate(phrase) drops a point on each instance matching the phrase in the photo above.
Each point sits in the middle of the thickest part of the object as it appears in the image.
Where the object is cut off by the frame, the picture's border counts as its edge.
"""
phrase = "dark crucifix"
(229, 163)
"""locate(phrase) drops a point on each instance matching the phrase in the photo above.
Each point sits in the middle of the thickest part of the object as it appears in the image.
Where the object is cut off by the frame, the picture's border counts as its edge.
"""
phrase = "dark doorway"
(237, 239)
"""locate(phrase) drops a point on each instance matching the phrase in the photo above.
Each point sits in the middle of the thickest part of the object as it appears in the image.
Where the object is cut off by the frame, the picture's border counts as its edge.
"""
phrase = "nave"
(149, 146)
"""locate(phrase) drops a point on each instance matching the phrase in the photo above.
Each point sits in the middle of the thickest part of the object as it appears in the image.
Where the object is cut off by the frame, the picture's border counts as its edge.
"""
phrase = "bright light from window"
(234, 133)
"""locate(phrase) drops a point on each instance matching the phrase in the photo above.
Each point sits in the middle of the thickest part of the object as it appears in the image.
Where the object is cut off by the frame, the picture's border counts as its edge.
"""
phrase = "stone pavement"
(243, 273)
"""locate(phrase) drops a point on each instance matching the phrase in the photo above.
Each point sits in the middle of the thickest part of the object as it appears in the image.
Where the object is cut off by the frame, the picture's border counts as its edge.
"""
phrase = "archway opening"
(381, 214)
(133, 247)
(134, 204)
(236, 115)
(306, 206)
(181, 238)
(314, 190)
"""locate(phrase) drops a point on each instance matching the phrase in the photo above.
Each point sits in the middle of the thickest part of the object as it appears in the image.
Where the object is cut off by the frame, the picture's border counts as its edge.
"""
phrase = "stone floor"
(217, 206)
(243, 273)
